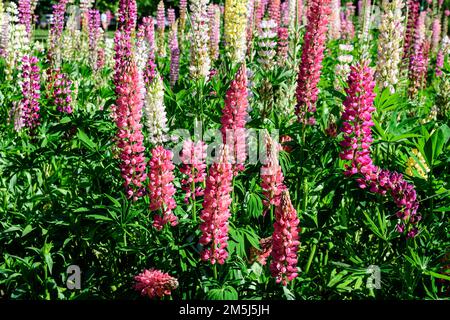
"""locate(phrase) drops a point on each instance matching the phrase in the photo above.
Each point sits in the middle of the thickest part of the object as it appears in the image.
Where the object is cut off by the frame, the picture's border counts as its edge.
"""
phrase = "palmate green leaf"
(82, 136)
(435, 145)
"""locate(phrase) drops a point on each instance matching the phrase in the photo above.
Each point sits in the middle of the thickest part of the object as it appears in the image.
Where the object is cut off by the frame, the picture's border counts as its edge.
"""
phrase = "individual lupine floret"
(200, 61)
(311, 63)
(155, 283)
(235, 29)
(216, 210)
(390, 45)
(285, 241)
(161, 188)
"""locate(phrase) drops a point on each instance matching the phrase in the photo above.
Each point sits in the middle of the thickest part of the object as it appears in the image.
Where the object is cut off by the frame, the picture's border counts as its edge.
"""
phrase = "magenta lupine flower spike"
(56, 30)
(272, 179)
(155, 283)
(216, 210)
(161, 188)
(94, 36)
(193, 157)
(285, 241)
(234, 118)
(413, 15)
(311, 63)
(127, 15)
(127, 111)
(25, 15)
(357, 124)
(59, 90)
(30, 91)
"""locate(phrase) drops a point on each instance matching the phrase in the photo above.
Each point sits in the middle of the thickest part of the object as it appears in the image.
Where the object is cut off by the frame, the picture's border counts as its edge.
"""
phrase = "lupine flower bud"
(154, 283)
(312, 56)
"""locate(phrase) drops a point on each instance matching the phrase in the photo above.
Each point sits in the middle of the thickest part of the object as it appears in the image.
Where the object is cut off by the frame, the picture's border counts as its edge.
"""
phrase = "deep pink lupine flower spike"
(161, 188)
(216, 210)
(312, 56)
(285, 241)
(234, 118)
(357, 123)
(127, 112)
